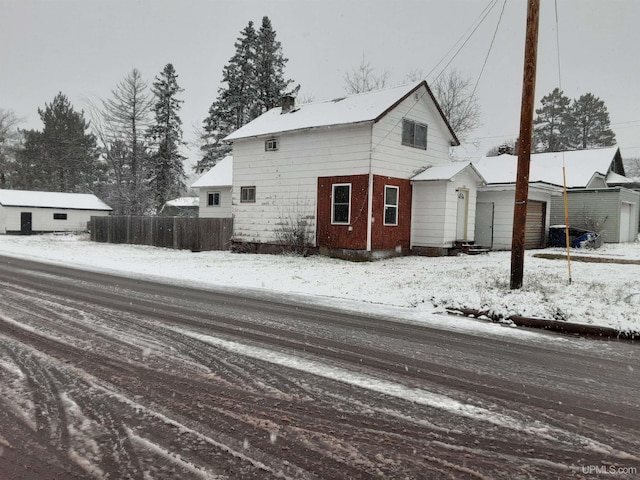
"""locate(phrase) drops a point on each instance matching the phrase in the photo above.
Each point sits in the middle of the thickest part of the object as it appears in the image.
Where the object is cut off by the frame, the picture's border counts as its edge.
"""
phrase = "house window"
(341, 203)
(59, 216)
(271, 145)
(391, 205)
(414, 134)
(213, 199)
(247, 194)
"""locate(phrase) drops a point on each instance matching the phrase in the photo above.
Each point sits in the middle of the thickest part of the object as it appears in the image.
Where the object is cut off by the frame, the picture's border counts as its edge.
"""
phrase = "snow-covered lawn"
(604, 294)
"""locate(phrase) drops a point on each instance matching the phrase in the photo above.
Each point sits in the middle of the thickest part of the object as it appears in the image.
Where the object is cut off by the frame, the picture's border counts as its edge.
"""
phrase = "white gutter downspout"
(370, 196)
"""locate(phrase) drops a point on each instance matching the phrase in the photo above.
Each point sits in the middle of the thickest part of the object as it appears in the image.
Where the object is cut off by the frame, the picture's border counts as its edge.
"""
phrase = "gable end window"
(271, 145)
(247, 194)
(414, 134)
(213, 199)
(341, 204)
(391, 205)
(59, 216)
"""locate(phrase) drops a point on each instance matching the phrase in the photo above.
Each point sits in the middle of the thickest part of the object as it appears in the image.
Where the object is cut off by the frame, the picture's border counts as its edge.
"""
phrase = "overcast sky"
(83, 48)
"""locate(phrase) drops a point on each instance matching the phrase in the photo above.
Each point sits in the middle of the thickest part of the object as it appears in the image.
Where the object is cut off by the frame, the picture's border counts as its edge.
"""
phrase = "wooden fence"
(196, 234)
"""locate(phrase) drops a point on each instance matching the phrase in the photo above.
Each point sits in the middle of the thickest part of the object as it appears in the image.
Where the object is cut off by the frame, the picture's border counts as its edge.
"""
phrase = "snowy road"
(109, 377)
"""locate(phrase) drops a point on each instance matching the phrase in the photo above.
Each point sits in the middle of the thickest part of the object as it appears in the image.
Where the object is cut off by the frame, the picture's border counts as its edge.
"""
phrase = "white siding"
(224, 210)
(434, 211)
(286, 180)
(503, 213)
(390, 157)
(42, 219)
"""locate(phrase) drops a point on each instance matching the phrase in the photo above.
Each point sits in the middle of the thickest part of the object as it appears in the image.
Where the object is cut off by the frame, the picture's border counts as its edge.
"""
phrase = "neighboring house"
(359, 173)
(181, 207)
(26, 212)
(214, 190)
(589, 196)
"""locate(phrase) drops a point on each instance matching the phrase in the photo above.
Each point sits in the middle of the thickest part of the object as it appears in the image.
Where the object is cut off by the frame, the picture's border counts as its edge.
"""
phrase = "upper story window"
(247, 194)
(341, 203)
(414, 134)
(59, 216)
(391, 205)
(271, 145)
(213, 199)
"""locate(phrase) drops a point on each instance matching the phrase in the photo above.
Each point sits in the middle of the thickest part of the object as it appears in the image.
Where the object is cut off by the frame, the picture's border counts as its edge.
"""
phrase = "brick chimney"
(288, 103)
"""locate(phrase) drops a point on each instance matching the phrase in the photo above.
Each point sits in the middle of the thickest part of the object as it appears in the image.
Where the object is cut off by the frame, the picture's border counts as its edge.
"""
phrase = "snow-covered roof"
(614, 178)
(446, 172)
(580, 166)
(352, 109)
(29, 198)
(184, 202)
(220, 175)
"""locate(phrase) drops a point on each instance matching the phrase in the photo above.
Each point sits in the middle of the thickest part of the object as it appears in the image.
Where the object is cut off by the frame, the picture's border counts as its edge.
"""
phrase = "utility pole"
(524, 145)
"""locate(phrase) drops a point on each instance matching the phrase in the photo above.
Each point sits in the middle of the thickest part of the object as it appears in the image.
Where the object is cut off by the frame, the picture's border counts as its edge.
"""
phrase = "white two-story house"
(369, 174)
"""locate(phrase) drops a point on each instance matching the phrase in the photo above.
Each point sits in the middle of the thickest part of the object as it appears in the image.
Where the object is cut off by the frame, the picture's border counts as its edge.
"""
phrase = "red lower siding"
(387, 237)
(354, 236)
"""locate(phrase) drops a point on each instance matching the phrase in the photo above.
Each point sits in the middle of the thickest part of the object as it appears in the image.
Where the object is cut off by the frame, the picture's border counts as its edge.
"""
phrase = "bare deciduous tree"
(364, 78)
(457, 101)
(121, 124)
(9, 138)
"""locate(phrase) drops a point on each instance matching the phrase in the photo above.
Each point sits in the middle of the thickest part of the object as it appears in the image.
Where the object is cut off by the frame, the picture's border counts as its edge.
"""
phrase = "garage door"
(534, 230)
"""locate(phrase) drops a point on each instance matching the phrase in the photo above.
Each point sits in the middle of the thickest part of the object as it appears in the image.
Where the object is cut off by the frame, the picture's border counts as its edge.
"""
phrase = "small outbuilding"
(25, 212)
(593, 203)
(214, 190)
(181, 207)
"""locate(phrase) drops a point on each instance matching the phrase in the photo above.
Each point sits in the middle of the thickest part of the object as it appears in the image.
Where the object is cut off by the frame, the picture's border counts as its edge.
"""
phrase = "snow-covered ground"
(603, 294)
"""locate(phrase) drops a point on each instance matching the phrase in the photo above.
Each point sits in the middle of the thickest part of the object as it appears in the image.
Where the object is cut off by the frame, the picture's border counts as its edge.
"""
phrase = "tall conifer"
(253, 82)
(165, 170)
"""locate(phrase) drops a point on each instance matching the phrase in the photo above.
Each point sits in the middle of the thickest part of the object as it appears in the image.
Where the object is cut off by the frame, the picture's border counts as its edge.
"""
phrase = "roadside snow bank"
(603, 294)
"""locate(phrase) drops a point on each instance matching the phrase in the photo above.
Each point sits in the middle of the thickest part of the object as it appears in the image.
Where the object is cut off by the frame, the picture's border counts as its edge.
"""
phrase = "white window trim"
(247, 187)
(213, 192)
(396, 206)
(333, 211)
(271, 144)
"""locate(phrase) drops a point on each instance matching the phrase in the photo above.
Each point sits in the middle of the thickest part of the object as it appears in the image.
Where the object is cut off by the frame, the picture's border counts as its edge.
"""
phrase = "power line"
(483, 14)
(486, 58)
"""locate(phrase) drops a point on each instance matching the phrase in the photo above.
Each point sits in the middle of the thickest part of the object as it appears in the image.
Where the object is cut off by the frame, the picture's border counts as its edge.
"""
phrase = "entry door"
(25, 223)
(463, 215)
(484, 224)
(625, 222)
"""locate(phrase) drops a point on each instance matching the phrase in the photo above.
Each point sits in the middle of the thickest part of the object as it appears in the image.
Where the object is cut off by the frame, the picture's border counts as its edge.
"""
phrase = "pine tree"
(550, 132)
(63, 157)
(253, 83)
(589, 123)
(269, 70)
(166, 170)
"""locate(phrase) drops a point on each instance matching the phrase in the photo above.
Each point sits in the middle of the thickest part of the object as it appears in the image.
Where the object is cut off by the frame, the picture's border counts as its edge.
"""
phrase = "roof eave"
(455, 142)
(297, 130)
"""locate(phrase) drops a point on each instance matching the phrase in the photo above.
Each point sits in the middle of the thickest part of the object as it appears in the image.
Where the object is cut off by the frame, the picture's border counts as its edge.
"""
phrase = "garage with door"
(494, 217)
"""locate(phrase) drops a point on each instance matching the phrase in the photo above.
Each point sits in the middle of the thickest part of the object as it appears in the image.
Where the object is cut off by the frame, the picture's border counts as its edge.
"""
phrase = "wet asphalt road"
(111, 377)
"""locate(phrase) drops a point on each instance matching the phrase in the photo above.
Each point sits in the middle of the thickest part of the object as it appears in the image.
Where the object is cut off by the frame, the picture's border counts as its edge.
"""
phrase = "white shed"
(214, 190)
(26, 212)
(444, 204)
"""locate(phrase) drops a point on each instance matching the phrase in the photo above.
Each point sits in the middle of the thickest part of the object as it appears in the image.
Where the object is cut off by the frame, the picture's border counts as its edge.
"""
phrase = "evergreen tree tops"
(564, 124)
(253, 82)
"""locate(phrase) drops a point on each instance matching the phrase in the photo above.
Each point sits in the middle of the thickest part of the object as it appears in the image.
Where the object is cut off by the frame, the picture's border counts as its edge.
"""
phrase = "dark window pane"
(391, 196)
(341, 213)
(421, 136)
(341, 194)
(391, 215)
(407, 132)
